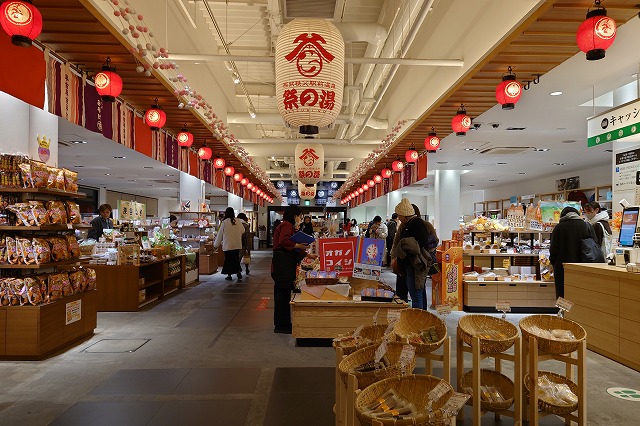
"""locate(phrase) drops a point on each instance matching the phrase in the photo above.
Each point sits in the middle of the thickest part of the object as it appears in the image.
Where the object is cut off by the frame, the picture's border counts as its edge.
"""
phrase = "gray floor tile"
(208, 318)
(299, 408)
(142, 381)
(109, 413)
(220, 303)
(205, 413)
(219, 381)
(311, 379)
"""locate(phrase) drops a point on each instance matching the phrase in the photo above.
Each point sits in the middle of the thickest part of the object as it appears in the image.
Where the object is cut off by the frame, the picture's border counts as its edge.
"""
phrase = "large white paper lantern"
(309, 163)
(309, 73)
(307, 192)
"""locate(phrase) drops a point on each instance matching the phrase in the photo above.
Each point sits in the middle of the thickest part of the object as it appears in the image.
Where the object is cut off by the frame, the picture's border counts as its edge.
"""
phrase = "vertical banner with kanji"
(337, 253)
(369, 253)
(452, 269)
(385, 186)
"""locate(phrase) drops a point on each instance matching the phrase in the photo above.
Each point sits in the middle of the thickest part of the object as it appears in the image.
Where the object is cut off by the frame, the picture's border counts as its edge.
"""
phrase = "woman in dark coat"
(307, 226)
(286, 256)
(566, 243)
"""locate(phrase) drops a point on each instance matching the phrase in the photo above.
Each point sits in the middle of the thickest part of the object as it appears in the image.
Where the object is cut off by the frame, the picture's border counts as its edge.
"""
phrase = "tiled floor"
(211, 358)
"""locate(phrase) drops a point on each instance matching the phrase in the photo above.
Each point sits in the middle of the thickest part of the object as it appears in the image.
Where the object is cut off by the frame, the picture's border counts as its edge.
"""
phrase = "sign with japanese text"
(615, 124)
(452, 278)
(293, 197)
(309, 72)
(337, 253)
(369, 252)
(73, 312)
(309, 165)
(307, 192)
(131, 210)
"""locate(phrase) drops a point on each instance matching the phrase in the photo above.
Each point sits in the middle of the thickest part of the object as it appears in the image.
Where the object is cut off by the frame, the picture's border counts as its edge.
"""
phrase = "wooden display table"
(606, 302)
(33, 332)
(327, 319)
(120, 287)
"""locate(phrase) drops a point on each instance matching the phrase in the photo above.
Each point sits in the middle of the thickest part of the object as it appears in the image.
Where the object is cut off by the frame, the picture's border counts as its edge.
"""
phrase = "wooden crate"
(208, 264)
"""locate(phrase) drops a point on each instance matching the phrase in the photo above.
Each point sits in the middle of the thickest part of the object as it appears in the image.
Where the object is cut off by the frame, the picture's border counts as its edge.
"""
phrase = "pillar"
(393, 198)
(235, 202)
(447, 202)
(192, 189)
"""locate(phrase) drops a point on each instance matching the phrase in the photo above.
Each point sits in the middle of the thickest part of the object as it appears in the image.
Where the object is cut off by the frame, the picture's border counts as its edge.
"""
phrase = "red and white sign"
(306, 192)
(309, 72)
(309, 162)
(337, 252)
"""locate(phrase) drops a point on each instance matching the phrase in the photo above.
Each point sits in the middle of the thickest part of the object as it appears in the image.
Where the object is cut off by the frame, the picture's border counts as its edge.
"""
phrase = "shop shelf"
(44, 191)
(36, 228)
(149, 284)
(43, 266)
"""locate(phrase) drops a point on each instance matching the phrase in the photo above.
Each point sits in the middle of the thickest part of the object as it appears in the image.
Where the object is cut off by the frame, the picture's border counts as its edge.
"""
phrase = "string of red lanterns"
(432, 141)
(411, 156)
(184, 138)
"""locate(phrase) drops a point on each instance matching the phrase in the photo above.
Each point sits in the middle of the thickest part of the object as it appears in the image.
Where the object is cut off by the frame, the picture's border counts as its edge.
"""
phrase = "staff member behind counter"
(100, 223)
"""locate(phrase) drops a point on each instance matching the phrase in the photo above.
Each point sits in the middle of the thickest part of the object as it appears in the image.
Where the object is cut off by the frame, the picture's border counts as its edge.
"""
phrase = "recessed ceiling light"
(80, 165)
(570, 141)
(608, 150)
(118, 157)
(493, 180)
(558, 164)
(634, 75)
(541, 149)
(442, 162)
(168, 175)
(148, 167)
(107, 174)
(471, 149)
(471, 184)
(78, 141)
(522, 173)
(150, 184)
(132, 180)
(501, 163)
(558, 93)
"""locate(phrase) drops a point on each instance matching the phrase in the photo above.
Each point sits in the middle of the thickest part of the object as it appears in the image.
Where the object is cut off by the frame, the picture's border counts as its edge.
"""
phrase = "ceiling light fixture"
(541, 149)
(522, 173)
(557, 93)
(119, 157)
(77, 142)
(471, 149)
(558, 164)
(236, 77)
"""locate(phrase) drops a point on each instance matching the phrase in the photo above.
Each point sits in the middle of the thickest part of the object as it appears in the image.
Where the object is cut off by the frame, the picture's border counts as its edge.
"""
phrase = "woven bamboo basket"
(370, 335)
(552, 322)
(414, 321)
(491, 378)
(367, 354)
(414, 389)
(545, 405)
(480, 326)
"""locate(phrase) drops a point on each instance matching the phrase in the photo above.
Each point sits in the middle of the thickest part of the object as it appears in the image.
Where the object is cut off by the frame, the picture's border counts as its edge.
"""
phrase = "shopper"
(354, 228)
(346, 227)
(247, 242)
(392, 227)
(566, 243)
(600, 221)
(376, 229)
(100, 223)
(410, 254)
(306, 226)
(229, 237)
(286, 256)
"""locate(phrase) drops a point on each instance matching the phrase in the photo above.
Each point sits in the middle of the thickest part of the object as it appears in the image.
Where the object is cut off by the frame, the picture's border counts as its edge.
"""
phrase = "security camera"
(495, 125)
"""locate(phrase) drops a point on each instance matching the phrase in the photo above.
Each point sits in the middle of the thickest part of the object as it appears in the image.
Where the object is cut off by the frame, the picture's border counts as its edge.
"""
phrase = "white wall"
(166, 205)
(192, 189)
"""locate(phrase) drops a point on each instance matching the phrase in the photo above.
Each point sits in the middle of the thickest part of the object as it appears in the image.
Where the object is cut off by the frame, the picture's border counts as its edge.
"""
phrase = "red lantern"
(411, 156)
(237, 177)
(219, 163)
(204, 153)
(250, 185)
(597, 33)
(397, 166)
(108, 83)
(386, 173)
(461, 122)
(508, 92)
(229, 171)
(155, 117)
(360, 190)
(377, 178)
(21, 20)
(244, 181)
(432, 141)
(184, 138)
(254, 189)
(371, 183)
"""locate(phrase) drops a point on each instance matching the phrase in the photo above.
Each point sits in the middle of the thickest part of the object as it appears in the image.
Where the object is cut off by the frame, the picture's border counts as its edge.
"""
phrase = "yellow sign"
(131, 210)
(73, 312)
(452, 267)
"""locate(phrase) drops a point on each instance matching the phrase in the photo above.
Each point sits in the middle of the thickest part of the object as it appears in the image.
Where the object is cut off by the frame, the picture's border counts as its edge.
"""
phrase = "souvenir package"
(19, 291)
(10, 174)
(90, 276)
(390, 405)
(4, 297)
(39, 212)
(42, 282)
(59, 286)
(59, 249)
(34, 293)
(25, 250)
(27, 176)
(12, 251)
(57, 212)
(555, 393)
(78, 281)
(3, 250)
(73, 212)
(72, 246)
(39, 174)
(70, 180)
(55, 178)
(9, 296)
(41, 250)
(24, 214)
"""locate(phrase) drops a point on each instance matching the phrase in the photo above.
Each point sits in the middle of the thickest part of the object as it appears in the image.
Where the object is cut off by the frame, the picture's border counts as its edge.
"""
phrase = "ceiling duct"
(323, 9)
(506, 150)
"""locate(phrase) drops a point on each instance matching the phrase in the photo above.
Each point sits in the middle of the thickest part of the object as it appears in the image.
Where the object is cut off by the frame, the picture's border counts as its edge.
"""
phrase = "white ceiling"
(550, 122)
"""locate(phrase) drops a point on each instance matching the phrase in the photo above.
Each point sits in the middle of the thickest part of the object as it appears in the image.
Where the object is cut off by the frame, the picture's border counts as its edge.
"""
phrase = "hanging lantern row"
(155, 117)
(411, 156)
(432, 141)
(184, 138)
(461, 122)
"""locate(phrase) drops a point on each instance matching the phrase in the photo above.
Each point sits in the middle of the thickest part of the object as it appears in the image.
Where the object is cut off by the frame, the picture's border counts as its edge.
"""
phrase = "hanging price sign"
(439, 391)
(375, 317)
(564, 304)
(443, 309)
(381, 351)
(393, 315)
(407, 355)
(503, 307)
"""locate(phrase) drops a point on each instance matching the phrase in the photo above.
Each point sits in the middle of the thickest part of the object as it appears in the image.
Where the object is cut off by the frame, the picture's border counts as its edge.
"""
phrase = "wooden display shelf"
(56, 228)
(42, 266)
(466, 253)
(522, 296)
(48, 191)
(119, 287)
(33, 332)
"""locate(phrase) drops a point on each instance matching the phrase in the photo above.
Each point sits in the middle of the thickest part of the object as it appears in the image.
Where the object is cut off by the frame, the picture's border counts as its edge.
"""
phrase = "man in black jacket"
(392, 227)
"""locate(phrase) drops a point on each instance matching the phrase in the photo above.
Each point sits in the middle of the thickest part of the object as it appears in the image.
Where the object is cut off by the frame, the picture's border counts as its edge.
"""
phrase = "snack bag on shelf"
(42, 282)
(72, 246)
(39, 212)
(12, 251)
(39, 174)
(23, 213)
(78, 281)
(70, 180)
(25, 248)
(41, 250)
(34, 294)
(59, 249)
(19, 290)
(55, 284)
(90, 276)
(27, 176)
(73, 212)
(57, 212)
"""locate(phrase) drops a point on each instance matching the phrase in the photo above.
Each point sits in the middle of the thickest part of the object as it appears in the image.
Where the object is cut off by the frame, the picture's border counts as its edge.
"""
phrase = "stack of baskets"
(416, 320)
(496, 335)
(370, 335)
(414, 389)
(367, 354)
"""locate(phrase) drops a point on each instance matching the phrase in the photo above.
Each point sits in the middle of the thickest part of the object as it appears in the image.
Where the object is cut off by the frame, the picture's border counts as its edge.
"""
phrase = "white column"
(235, 202)
(192, 189)
(447, 197)
(393, 198)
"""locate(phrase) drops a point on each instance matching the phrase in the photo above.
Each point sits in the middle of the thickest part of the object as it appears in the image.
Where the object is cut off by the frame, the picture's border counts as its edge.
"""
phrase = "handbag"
(246, 259)
(590, 251)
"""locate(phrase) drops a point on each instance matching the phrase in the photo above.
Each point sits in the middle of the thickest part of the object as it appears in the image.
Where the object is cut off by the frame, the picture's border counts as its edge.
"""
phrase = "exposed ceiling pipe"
(405, 48)
(274, 118)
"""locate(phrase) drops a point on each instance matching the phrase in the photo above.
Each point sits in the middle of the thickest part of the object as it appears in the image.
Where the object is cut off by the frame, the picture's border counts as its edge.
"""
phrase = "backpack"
(607, 241)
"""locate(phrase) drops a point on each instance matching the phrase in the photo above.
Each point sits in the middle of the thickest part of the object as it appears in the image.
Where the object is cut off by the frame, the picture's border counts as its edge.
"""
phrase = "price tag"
(503, 307)
(375, 317)
(393, 315)
(493, 251)
(443, 309)
(564, 304)
(381, 351)
(69, 226)
(511, 250)
(455, 403)
(407, 355)
(507, 279)
(357, 331)
(357, 298)
(480, 278)
(389, 329)
(441, 389)
(530, 278)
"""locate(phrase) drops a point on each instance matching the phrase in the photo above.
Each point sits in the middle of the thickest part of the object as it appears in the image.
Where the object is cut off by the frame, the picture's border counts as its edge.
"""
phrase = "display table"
(606, 302)
(326, 319)
(130, 287)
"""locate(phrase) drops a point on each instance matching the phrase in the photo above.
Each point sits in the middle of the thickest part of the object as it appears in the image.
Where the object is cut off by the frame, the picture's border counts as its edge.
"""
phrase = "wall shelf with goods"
(514, 277)
(196, 227)
(61, 308)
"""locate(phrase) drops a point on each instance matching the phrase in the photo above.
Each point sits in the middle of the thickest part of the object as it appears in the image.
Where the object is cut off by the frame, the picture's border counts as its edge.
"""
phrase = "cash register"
(629, 237)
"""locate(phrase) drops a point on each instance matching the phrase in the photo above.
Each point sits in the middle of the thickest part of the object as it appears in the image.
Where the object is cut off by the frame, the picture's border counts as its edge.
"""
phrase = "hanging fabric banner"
(65, 92)
(24, 78)
(98, 114)
(406, 174)
(172, 151)
(123, 119)
(385, 186)
(158, 149)
(206, 172)
(227, 183)
(194, 168)
(422, 167)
